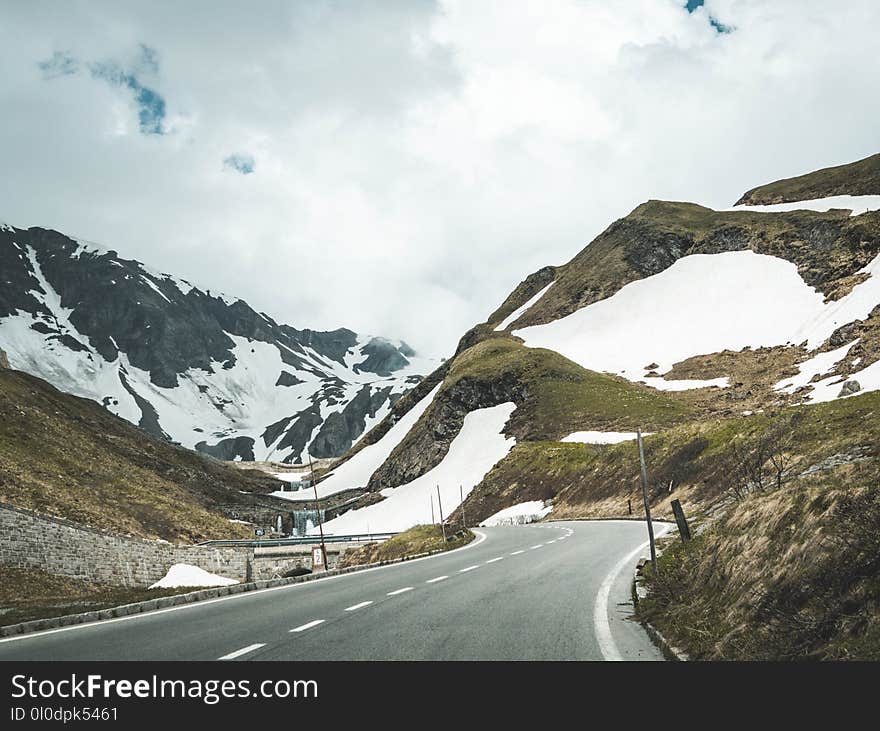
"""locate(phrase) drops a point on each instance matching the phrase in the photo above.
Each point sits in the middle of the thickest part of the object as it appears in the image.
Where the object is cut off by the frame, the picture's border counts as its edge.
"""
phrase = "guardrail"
(300, 540)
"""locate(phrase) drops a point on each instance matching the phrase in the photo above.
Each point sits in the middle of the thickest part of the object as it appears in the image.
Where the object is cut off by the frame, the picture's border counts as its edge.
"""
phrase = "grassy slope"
(857, 178)
(788, 574)
(417, 540)
(68, 457)
(27, 594)
(561, 396)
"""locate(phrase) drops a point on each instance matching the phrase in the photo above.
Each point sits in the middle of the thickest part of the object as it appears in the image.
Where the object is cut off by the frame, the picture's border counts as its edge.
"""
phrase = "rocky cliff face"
(191, 365)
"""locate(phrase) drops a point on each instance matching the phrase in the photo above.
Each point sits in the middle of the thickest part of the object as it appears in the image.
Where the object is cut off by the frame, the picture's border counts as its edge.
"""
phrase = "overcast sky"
(397, 167)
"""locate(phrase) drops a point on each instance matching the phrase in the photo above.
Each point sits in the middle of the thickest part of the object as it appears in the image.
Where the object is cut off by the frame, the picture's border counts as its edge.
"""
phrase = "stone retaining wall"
(31, 540)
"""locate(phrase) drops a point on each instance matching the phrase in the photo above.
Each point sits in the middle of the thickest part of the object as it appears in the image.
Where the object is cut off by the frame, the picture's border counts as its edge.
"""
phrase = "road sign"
(259, 532)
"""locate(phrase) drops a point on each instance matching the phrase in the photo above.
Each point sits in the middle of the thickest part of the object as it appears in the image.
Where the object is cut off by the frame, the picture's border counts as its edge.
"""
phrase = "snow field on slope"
(357, 471)
(478, 447)
(818, 364)
(520, 311)
(518, 514)
(828, 389)
(857, 204)
(703, 303)
(183, 574)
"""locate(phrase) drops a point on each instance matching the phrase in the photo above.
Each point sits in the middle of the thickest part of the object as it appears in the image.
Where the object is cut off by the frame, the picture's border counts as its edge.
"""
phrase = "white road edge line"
(399, 591)
(308, 625)
(242, 651)
(436, 579)
(493, 560)
(315, 582)
(601, 623)
(358, 606)
(469, 568)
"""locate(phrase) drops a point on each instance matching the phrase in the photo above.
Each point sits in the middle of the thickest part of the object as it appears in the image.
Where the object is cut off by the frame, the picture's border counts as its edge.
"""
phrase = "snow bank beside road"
(183, 574)
(518, 514)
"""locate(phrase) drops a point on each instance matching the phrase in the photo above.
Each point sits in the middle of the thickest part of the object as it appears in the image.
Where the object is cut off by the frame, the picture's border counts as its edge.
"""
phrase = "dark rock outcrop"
(428, 442)
(383, 357)
(229, 449)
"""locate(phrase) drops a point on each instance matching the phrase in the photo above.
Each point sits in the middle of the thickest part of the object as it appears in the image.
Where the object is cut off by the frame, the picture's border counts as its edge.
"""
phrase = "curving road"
(553, 591)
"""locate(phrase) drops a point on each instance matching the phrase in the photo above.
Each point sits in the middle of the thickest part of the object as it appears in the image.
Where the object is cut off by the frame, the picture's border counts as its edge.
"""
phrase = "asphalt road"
(553, 591)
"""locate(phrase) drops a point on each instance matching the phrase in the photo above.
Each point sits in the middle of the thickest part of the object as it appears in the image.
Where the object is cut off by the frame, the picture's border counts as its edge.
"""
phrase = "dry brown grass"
(417, 540)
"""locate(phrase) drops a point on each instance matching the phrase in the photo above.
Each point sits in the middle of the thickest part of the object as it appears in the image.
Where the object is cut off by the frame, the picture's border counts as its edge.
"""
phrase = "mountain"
(189, 365)
(704, 327)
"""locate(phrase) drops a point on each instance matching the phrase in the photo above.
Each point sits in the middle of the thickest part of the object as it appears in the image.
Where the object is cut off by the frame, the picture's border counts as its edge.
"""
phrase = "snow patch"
(518, 514)
(816, 365)
(703, 303)
(183, 574)
(357, 471)
(479, 445)
(520, 311)
(857, 204)
(601, 437)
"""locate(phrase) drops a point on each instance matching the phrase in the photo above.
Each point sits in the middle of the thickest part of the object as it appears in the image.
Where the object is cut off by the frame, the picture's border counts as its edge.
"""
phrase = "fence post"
(684, 529)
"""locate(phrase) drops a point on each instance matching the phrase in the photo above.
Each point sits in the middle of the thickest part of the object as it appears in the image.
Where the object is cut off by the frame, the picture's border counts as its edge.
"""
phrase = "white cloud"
(413, 161)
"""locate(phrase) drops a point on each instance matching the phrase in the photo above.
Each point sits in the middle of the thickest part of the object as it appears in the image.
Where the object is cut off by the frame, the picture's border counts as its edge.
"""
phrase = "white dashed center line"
(399, 591)
(242, 651)
(358, 606)
(436, 579)
(517, 553)
(553, 541)
(469, 568)
(308, 625)
(534, 547)
(493, 560)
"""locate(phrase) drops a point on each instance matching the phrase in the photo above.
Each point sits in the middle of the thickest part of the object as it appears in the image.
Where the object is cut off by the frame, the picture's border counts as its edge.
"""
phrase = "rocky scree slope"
(192, 366)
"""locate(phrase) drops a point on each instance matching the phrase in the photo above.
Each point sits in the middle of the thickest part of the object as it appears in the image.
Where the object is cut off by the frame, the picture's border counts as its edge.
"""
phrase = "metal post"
(461, 496)
(440, 508)
(317, 508)
(431, 498)
(645, 498)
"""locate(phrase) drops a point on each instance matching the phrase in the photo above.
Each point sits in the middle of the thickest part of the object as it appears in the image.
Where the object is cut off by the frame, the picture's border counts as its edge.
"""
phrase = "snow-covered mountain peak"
(194, 365)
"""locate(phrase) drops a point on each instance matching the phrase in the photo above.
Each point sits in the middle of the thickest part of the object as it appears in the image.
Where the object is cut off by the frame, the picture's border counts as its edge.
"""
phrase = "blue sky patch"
(692, 5)
(62, 63)
(151, 105)
(241, 163)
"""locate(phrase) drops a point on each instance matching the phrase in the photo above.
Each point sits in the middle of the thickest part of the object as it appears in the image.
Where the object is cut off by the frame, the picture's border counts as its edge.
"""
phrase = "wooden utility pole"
(645, 497)
(431, 498)
(440, 508)
(461, 496)
(317, 508)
